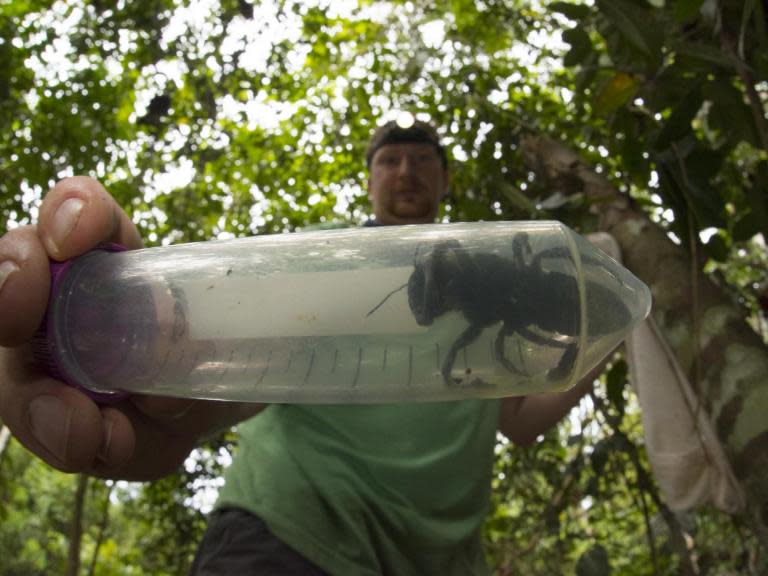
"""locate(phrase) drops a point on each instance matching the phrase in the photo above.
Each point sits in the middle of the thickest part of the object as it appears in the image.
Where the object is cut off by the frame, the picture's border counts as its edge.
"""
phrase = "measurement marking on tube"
(247, 362)
(410, 364)
(266, 368)
(357, 369)
(290, 361)
(335, 360)
(226, 367)
(311, 363)
(384, 363)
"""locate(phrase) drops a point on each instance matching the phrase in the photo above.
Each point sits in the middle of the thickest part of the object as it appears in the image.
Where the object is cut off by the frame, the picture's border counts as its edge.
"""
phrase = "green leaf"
(749, 8)
(756, 218)
(746, 227)
(518, 199)
(594, 562)
(572, 11)
(581, 46)
(586, 75)
(552, 520)
(761, 31)
(705, 54)
(730, 113)
(599, 457)
(633, 161)
(717, 248)
(618, 13)
(593, 486)
(685, 174)
(616, 380)
(616, 92)
(686, 10)
(678, 124)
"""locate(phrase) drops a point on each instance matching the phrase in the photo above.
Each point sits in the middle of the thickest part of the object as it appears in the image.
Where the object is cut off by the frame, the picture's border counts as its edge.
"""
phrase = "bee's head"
(421, 298)
(430, 287)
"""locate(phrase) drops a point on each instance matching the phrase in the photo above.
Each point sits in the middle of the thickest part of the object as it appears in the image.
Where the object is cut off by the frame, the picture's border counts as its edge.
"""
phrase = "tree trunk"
(724, 358)
(76, 530)
(103, 523)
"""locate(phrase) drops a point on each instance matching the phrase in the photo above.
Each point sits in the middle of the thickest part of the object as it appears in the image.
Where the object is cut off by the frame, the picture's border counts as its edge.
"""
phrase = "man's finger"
(78, 214)
(24, 285)
(56, 422)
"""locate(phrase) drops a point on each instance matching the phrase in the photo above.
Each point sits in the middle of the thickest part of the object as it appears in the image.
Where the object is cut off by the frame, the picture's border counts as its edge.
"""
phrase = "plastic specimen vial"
(364, 315)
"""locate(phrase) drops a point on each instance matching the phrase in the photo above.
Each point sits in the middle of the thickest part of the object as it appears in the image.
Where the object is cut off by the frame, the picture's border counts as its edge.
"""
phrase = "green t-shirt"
(364, 490)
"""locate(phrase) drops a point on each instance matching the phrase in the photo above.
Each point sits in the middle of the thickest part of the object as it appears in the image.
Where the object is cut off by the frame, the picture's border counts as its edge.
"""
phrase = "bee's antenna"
(386, 298)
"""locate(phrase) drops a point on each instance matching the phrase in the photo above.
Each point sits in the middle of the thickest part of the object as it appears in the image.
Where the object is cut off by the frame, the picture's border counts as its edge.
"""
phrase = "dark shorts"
(238, 543)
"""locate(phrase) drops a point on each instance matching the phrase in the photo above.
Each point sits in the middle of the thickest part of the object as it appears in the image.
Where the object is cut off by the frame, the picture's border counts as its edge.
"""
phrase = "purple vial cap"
(46, 348)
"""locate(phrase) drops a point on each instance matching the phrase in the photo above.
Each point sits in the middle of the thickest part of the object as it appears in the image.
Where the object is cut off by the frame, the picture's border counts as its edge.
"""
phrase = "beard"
(406, 200)
(411, 205)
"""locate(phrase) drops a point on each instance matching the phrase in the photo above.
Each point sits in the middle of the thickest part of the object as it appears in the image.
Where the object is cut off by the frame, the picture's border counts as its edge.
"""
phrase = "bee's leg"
(565, 366)
(505, 331)
(465, 339)
(537, 338)
(561, 253)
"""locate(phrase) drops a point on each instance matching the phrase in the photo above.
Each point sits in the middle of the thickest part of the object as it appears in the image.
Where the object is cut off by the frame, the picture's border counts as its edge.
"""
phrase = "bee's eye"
(418, 299)
(416, 290)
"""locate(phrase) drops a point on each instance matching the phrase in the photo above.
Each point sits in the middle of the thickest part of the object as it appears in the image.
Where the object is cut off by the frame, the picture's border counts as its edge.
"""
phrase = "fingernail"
(64, 221)
(49, 419)
(6, 269)
(104, 450)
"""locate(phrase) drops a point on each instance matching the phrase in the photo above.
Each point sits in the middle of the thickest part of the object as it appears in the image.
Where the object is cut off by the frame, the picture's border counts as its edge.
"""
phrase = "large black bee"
(538, 304)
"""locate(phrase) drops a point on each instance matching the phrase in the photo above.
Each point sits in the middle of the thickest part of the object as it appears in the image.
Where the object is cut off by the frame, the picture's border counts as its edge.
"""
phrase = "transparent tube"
(384, 314)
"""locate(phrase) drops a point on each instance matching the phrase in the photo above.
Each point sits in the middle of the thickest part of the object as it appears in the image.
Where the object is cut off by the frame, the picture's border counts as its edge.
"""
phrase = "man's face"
(406, 182)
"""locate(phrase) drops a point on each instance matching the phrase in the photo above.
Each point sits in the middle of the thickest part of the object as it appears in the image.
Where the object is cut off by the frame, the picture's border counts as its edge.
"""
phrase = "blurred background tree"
(215, 119)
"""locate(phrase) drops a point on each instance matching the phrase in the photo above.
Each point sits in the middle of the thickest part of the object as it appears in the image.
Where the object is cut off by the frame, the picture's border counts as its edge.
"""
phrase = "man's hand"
(523, 418)
(140, 438)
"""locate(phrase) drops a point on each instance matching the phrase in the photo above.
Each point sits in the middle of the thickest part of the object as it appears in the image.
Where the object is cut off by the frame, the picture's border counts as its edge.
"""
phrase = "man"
(381, 489)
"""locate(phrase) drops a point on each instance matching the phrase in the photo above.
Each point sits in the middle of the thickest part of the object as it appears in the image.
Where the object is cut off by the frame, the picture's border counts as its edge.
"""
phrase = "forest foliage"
(216, 119)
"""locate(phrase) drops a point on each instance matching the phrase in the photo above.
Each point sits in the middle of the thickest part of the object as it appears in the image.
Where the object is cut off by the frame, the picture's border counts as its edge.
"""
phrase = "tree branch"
(76, 529)
(745, 74)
